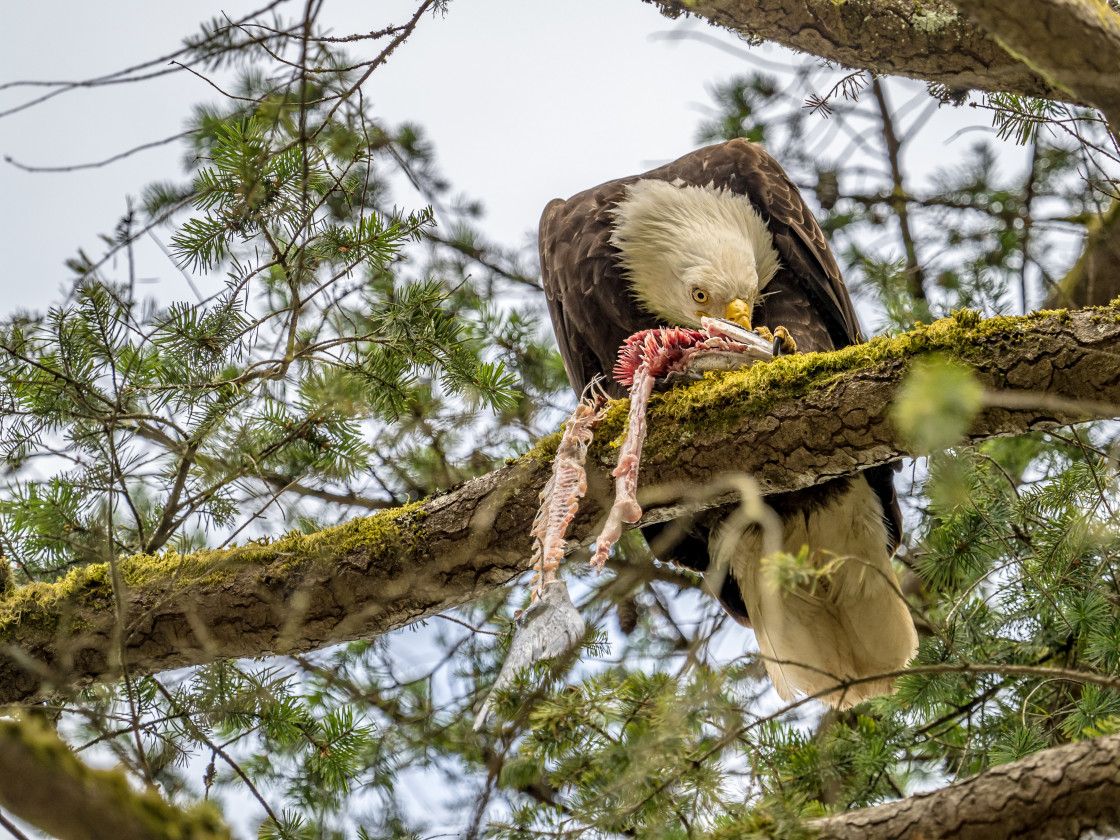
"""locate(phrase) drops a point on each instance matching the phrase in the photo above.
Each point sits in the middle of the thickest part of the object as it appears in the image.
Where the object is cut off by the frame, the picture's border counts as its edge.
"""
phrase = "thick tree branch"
(1073, 44)
(928, 40)
(1069, 791)
(790, 423)
(41, 775)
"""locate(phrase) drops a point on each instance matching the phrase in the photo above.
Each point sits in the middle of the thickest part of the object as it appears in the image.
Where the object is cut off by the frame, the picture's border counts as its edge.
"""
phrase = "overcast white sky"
(525, 101)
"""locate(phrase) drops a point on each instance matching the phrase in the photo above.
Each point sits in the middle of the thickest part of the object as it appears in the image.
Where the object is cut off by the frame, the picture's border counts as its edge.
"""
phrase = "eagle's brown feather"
(594, 310)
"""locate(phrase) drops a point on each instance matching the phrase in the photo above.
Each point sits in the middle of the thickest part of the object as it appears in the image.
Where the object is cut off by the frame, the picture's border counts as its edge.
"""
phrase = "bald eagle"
(723, 232)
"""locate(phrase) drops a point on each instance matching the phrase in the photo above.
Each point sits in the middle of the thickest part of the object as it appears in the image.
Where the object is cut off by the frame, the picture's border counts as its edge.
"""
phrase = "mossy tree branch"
(931, 40)
(40, 773)
(791, 424)
(1068, 791)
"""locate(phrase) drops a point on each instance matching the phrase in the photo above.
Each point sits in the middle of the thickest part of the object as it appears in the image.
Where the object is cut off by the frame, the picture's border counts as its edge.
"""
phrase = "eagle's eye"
(700, 296)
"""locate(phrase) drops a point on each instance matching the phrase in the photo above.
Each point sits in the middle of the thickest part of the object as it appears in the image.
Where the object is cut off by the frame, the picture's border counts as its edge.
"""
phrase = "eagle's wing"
(592, 309)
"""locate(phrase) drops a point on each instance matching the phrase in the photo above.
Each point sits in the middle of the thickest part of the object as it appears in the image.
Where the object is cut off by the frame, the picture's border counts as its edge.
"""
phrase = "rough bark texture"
(928, 40)
(1067, 50)
(39, 773)
(845, 427)
(1065, 792)
(1095, 279)
(1073, 44)
(790, 423)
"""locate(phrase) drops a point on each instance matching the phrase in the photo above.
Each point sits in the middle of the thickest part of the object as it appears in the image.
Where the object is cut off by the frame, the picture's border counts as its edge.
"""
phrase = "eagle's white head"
(693, 251)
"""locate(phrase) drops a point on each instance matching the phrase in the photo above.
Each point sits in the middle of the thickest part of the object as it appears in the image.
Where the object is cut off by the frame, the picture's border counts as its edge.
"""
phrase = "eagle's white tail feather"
(851, 622)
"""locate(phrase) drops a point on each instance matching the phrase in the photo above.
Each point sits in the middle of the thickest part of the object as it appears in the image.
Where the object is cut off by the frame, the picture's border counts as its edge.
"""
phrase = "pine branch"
(295, 487)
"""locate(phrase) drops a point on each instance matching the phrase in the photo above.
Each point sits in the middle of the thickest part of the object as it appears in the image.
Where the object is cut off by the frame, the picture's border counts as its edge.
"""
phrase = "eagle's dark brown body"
(594, 309)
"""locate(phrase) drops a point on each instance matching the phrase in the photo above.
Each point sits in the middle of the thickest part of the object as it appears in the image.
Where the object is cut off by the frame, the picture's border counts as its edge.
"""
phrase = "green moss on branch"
(722, 400)
(39, 606)
(40, 771)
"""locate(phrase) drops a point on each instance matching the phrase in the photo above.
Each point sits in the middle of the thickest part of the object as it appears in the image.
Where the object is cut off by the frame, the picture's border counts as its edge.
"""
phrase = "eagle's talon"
(783, 342)
(764, 333)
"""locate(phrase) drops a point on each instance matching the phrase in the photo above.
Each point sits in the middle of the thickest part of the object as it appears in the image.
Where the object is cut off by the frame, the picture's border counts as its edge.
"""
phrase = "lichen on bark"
(929, 40)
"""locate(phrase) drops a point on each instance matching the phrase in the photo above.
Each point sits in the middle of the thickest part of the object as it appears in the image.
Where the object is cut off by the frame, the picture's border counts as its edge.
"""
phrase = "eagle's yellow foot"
(783, 342)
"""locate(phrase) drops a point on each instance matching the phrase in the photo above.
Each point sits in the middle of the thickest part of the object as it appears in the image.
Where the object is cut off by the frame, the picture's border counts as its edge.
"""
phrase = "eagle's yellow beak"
(739, 311)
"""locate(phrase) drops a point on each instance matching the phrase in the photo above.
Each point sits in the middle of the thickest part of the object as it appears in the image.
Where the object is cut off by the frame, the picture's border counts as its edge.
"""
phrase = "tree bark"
(1065, 792)
(930, 40)
(1073, 44)
(1095, 279)
(791, 423)
(44, 783)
